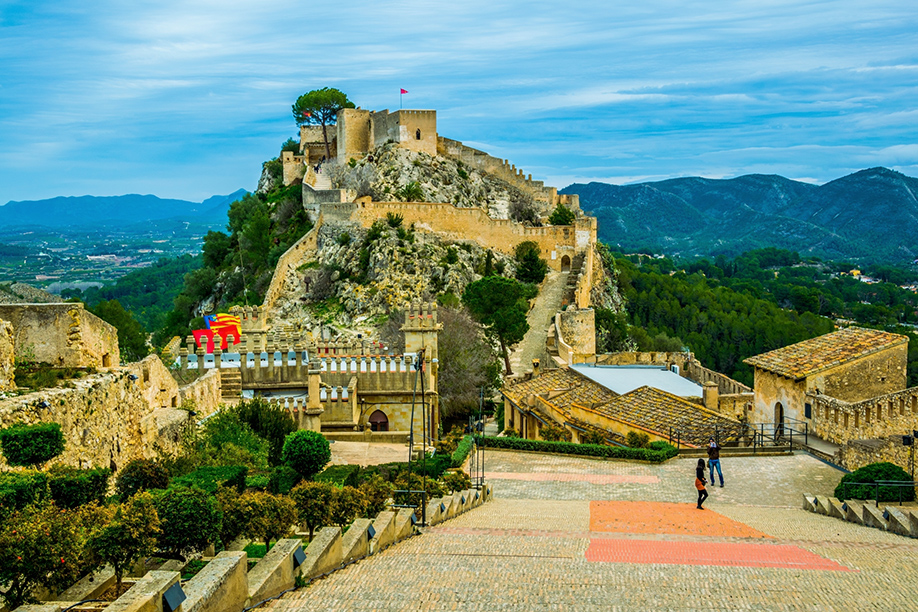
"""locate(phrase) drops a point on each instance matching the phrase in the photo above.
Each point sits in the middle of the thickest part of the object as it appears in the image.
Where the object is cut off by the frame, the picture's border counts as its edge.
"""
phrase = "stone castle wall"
(504, 170)
(840, 422)
(294, 166)
(472, 224)
(858, 453)
(62, 334)
(869, 376)
(7, 357)
(113, 417)
(285, 271)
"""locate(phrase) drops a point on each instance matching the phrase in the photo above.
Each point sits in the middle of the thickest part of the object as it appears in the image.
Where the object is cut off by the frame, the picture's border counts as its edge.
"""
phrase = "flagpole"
(400, 94)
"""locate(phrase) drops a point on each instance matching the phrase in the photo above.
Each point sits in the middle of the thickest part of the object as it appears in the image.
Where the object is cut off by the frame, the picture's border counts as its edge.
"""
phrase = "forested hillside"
(732, 309)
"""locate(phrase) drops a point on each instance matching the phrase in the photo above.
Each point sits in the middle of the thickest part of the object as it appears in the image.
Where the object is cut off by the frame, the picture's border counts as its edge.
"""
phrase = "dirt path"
(540, 316)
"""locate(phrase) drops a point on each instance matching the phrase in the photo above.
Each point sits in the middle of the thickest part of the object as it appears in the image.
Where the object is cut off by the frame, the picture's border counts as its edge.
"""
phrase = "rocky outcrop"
(366, 274)
(7, 362)
(20, 293)
(384, 174)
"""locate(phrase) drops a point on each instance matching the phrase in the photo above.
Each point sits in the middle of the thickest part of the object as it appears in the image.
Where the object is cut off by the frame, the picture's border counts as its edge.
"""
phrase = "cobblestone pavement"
(586, 534)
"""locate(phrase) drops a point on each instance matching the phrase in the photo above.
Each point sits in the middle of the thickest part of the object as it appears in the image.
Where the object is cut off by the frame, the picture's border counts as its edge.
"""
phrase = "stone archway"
(379, 421)
(565, 264)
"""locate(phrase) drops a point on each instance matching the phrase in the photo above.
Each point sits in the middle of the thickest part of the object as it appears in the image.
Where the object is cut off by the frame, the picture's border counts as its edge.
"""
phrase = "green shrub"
(339, 475)
(257, 482)
(315, 502)
(71, 487)
(511, 433)
(377, 493)
(283, 478)
(270, 422)
(457, 480)
(394, 219)
(462, 173)
(230, 439)
(636, 439)
(873, 473)
(349, 504)
(208, 478)
(21, 489)
(562, 215)
(462, 450)
(307, 452)
(412, 192)
(31, 445)
(190, 520)
(587, 450)
(414, 482)
(141, 475)
(594, 437)
(344, 238)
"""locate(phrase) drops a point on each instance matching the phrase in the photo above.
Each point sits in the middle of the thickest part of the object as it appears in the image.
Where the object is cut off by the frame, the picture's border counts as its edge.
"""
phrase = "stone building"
(62, 334)
(851, 365)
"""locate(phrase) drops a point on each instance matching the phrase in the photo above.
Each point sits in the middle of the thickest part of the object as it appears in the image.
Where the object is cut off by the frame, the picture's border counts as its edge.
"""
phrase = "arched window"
(417, 135)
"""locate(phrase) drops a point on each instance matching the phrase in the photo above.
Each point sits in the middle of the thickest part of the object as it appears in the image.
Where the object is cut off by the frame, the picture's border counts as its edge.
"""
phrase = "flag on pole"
(403, 91)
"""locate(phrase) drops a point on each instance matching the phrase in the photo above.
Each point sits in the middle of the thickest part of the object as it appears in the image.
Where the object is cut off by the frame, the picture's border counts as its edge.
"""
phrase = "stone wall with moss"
(62, 334)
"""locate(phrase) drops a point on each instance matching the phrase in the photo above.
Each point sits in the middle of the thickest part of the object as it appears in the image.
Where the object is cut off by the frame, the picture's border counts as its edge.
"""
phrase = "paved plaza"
(568, 533)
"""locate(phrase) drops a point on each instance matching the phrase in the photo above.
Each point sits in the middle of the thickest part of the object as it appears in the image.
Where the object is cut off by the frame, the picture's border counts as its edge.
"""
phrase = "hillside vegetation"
(868, 216)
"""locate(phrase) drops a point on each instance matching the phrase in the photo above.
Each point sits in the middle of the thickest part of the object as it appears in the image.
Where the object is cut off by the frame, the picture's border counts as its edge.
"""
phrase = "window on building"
(808, 410)
(417, 135)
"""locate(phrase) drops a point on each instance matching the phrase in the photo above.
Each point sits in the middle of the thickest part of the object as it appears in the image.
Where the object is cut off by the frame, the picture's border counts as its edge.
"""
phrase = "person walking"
(714, 461)
(700, 482)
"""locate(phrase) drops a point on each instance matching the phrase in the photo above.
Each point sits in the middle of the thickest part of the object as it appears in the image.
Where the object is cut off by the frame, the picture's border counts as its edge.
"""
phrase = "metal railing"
(899, 484)
(409, 492)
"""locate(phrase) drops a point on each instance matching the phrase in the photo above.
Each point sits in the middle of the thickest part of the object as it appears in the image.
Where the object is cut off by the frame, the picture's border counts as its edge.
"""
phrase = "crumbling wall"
(7, 363)
(62, 334)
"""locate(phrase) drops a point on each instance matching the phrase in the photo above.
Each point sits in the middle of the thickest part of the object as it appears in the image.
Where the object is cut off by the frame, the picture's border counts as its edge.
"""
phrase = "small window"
(807, 411)
(417, 135)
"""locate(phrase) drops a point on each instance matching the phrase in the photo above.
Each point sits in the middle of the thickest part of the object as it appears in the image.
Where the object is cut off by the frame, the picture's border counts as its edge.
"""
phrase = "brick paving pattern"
(564, 540)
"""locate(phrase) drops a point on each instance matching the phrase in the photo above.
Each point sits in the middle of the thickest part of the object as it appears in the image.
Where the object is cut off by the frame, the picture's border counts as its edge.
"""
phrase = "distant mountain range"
(95, 212)
(868, 216)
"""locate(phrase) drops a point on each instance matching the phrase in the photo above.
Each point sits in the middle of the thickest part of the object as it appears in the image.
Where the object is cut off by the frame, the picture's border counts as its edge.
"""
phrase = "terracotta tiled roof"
(548, 380)
(811, 356)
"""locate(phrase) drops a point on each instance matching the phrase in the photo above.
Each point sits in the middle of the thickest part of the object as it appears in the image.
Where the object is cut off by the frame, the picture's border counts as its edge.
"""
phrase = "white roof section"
(624, 379)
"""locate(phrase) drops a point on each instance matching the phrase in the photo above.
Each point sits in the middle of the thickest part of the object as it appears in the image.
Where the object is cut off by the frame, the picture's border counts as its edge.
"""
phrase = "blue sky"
(186, 99)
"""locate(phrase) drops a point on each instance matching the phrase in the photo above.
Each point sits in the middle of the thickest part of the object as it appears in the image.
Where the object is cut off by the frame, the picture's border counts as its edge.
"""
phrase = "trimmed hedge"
(209, 478)
(462, 450)
(20, 489)
(283, 478)
(355, 476)
(339, 475)
(71, 487)
(657, 452)
(28, 445)
(873, 473)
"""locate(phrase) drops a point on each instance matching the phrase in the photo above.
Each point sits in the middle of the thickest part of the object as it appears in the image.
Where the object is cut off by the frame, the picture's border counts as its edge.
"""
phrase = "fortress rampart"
(473, 224)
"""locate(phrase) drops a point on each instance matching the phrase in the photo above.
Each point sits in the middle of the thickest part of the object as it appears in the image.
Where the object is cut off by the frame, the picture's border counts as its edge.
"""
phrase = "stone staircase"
(230, 385)
(322, 182)
(902, 520)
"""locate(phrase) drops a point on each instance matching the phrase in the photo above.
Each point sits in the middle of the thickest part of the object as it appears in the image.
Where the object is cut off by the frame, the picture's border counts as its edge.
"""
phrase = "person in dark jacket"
(714, 461)
(700, 482)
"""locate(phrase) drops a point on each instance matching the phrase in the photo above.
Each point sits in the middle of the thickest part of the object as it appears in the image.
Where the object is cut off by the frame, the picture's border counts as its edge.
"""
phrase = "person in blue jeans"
(714, 461)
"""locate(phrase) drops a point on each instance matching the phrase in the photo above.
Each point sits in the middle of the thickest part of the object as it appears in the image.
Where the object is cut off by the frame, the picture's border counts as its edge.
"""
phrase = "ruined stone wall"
(285, 271)
(693, 370)
(858, 453)
(205, 394)
(840, 422)
(872, 375)
(735, 405)
(576, 331)
(62, 334)
(7, 357)
(662, 359)
(454, 223)
(313, 199)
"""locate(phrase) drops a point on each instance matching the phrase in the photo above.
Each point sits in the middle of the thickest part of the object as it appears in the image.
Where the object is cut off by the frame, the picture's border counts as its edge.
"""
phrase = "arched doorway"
(565, 264)
(379, 421)
(779, 420)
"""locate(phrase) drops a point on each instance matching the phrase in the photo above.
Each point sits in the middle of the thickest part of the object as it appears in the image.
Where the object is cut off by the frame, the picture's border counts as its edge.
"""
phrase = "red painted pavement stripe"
(591, 478)
(708, 553)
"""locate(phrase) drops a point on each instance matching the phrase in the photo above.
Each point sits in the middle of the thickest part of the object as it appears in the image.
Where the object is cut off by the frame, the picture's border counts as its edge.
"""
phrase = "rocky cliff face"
(385, 173)
(356, 277)
(7, 363)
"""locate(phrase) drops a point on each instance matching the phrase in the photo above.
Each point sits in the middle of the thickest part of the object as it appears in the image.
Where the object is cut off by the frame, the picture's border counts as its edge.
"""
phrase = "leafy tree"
(350, 503)
(472, 366)
(457, 480)
(141, 475)
(307, 452)
(20, 489)
(875, 472)
(377, 492)
(129, 536)
(42, 546)
(132, 338)
(500, 304)
(234, 514)
(229, 441)
(530, 268)
(217, 246)
(31, 445)
(72, 487)
(315, 502)
(270, 422)
(269, 517)
(562, 215)
(320, 107)
(190, 521)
